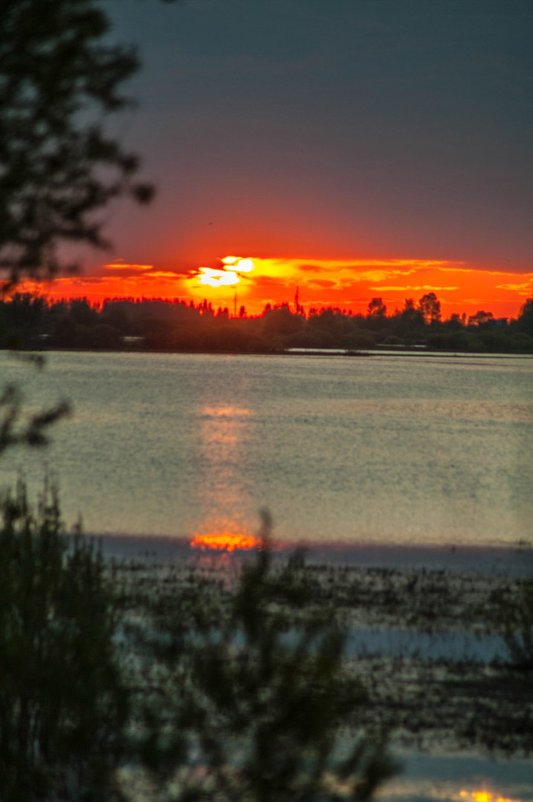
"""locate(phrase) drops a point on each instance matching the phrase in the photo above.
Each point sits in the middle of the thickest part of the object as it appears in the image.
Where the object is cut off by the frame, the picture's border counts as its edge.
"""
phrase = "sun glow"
(348, 284)
(224, 541)
(351, 283)
(230, 274)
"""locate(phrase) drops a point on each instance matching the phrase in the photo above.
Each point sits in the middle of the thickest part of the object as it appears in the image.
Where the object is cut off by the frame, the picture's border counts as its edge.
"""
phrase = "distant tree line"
(32, 322)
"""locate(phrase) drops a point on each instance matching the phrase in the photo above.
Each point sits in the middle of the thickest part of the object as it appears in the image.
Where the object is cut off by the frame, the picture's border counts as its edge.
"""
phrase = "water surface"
(407, 450)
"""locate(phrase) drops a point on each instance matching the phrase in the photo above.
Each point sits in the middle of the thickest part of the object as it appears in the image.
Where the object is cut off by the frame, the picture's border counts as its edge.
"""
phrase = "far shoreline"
(513, 560)
(329, 353)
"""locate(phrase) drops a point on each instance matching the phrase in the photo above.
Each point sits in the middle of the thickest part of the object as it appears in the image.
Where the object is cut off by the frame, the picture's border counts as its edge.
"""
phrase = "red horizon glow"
(348, 284)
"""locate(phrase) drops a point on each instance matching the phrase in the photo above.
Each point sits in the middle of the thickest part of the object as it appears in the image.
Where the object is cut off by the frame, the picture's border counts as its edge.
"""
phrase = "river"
(399, 449)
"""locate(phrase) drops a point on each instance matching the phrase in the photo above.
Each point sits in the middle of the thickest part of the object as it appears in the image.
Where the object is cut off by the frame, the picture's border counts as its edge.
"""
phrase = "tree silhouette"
(410, 313)
(376, 308)
(62, 703)
(59, 81)
(481, 318)
(525, 319)
(429, 305)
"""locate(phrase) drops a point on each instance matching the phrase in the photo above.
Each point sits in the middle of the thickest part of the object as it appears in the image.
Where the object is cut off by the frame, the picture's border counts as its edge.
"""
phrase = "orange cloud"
(524, 289)
(413, 288)
(345, 283)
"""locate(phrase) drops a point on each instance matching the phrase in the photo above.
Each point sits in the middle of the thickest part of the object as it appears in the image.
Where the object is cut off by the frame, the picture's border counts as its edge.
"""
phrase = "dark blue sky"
(333, 129)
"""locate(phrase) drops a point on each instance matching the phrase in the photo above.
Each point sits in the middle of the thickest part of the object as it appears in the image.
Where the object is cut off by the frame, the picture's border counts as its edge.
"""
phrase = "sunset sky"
(349, 148)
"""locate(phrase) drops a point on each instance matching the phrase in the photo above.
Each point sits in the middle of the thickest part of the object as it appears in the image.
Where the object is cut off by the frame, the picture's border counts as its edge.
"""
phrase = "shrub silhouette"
(62, 704)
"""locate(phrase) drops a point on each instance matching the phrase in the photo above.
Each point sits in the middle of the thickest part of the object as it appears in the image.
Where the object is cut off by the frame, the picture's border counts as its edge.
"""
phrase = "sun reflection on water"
(483, 795)
(225, 412)
(435, 790)
(222, 434)
(224, 541)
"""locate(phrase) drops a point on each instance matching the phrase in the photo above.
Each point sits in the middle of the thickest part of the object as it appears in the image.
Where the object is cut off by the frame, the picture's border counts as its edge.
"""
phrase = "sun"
(238, 264)
(229, 275)
(213, 277)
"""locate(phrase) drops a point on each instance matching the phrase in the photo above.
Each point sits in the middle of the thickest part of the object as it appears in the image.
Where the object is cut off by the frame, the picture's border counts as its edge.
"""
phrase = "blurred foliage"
(62, 703)
(19, 428)
(61, 77)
